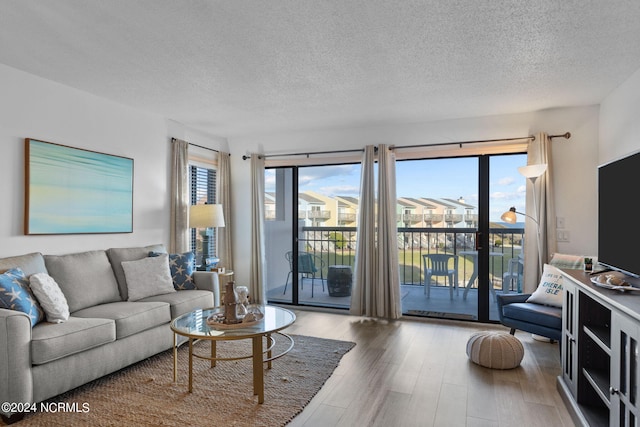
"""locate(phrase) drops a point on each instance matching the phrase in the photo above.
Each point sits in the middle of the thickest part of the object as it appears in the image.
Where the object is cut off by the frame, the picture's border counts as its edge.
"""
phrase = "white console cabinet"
(600, 352)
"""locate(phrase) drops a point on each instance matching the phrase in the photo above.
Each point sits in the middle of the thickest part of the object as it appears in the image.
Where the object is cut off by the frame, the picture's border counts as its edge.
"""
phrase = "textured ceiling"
(251, 66)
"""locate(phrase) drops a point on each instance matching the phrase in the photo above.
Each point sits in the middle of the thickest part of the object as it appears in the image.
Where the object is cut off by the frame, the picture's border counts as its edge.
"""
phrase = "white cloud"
(507, 180)
(341, 190)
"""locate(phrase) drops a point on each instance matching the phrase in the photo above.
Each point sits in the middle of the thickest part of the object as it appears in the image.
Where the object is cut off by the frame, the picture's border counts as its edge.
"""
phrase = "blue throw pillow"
(181, 266)
(15, 294)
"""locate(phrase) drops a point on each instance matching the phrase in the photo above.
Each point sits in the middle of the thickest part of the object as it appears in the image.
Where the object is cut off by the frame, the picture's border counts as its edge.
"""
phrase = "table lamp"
(206, 216)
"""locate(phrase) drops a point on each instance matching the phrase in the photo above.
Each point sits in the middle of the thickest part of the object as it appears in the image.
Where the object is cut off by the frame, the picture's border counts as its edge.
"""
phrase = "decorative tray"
(622, 288)
(216, 321)
(226, 326)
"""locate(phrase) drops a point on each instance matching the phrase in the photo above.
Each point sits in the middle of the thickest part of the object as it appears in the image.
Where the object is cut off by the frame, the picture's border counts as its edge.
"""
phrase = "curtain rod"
(565, 135)
(263, 156)
(199, 146)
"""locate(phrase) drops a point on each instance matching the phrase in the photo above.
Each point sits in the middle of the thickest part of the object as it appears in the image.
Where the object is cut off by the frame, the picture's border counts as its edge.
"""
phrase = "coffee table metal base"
(256, 355)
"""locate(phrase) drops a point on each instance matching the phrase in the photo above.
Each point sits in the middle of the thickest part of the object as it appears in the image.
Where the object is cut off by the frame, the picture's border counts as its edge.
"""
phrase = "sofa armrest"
(208, 281)
(16, 381)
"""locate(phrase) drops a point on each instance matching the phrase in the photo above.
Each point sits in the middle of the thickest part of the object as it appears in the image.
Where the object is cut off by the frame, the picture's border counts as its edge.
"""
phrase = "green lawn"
(411, 264)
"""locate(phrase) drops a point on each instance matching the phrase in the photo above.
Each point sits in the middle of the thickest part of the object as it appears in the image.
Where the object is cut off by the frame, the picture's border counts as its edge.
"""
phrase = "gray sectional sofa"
(104, 333)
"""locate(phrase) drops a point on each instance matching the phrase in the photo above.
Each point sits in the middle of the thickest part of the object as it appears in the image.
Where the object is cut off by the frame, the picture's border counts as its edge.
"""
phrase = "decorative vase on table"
(230, 303)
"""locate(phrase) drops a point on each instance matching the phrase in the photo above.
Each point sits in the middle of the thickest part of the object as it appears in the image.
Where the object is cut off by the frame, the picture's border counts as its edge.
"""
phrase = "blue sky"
(439, 178)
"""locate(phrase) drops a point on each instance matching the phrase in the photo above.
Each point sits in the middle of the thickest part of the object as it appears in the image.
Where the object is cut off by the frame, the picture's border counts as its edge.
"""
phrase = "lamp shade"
(509, 216)
(205, 216)
(532, 171)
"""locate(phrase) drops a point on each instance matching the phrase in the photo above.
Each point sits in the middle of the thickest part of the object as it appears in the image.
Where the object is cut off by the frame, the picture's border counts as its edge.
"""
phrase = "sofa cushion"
(50, 297)
(51, 341)
(86, 278)
(15, 294)
(544, 315)
(148, 277)
(118, 255)
(29, 263)
(182, 302)
(130, 317)
(181, 266)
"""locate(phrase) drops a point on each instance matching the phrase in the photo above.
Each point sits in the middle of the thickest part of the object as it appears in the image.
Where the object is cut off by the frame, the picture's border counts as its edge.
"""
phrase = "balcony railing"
(347, 217)
(336, 246)
(318, 214)
(453, 218)
(433, 218)
(411, 218)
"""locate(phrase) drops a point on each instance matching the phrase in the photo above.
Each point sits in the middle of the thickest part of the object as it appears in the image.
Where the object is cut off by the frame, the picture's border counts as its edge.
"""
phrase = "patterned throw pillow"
(571, 262)
(181, 266)
(50, 296)
(15, 294)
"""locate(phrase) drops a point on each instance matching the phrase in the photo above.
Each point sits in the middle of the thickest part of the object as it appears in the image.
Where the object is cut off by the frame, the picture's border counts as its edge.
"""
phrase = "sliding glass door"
(311, 215)
(454, 248)
(446, 208)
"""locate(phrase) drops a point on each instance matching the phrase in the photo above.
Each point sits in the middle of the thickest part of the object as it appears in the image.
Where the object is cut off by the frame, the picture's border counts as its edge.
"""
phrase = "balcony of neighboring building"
(410, 219)
(453, 218)
(318, 215)
(431, 219)
(347, 219)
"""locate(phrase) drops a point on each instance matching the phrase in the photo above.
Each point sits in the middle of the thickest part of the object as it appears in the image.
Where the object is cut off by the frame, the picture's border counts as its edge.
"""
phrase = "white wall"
(620, 121)
(31, 107)
(575, 161)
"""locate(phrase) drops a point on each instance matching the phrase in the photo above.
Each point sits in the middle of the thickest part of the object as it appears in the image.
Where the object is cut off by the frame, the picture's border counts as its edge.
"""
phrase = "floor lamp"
(206, 216)
(532, 173)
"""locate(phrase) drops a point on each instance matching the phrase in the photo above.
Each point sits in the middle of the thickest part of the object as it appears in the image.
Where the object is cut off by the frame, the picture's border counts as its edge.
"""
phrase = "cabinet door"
(625, 334)
(569, 336)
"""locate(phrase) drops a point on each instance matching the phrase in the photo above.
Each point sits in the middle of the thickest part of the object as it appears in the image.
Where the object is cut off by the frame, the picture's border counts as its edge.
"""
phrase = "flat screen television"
(618, 222)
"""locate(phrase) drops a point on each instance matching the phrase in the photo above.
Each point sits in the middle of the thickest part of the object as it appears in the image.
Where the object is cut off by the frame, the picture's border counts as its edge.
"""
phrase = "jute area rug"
(145, 395)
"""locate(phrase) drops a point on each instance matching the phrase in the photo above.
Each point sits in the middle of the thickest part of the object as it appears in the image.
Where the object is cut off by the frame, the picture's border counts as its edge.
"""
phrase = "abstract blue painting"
(75, 191)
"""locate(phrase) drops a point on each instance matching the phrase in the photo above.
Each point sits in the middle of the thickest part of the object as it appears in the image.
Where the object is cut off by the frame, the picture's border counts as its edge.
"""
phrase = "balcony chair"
(512, 278)
(438, 265)
(306, 266)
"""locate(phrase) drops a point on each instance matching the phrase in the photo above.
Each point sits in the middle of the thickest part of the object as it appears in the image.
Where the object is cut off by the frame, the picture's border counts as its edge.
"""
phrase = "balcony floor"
(414, 301)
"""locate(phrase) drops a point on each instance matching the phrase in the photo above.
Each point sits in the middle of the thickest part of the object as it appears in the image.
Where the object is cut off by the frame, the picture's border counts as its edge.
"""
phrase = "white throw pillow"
(148, 277)
(50, 296)
(549, 290)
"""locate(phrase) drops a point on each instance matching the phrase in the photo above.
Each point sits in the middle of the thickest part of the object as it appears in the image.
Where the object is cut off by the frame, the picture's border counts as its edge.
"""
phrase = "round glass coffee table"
(194, 326)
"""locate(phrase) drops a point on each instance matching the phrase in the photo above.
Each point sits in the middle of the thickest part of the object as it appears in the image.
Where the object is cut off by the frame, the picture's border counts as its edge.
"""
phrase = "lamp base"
(208, 264)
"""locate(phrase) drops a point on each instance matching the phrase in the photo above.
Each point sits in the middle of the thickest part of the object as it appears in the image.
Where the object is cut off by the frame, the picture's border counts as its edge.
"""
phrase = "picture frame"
(76, 191)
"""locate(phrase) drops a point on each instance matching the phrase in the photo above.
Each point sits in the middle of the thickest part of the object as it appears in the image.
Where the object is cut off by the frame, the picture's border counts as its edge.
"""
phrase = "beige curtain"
(539, 151)
(179, 240)
(365, 262)
(376, 289)
(256, 286)
(387, 290)
(225, 248)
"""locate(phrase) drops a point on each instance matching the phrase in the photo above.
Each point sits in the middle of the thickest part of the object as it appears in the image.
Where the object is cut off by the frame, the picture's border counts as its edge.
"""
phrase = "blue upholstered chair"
(538, 319)
(544, 320)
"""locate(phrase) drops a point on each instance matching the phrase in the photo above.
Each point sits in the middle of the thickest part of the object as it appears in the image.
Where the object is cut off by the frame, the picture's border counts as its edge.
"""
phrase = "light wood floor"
(416, 373)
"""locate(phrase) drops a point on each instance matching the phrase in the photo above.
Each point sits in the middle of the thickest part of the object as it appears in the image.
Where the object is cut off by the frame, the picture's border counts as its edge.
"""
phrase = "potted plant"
(588, 264)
